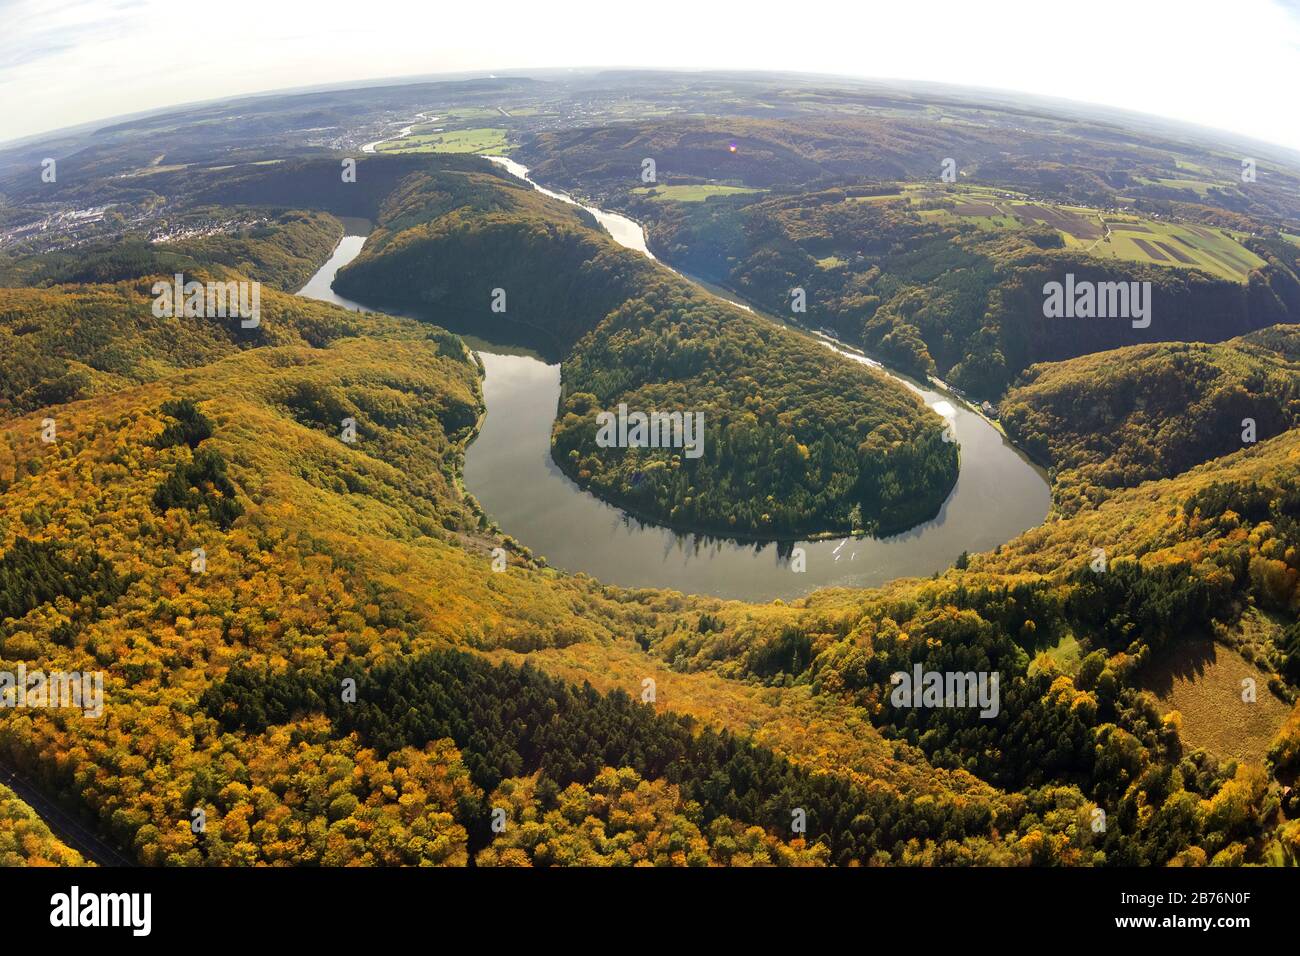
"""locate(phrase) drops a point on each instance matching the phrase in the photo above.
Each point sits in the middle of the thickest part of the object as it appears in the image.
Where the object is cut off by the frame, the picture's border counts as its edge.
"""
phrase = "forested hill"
(66, 342)
(1118, 418)
(798, 142)
(449, 234)
(797, 439)
(281, 248)
(325, 560)
(953, 283)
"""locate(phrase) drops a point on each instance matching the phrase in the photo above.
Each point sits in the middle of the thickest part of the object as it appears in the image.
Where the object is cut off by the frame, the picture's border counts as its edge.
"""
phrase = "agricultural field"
(1216, 251)
(1187, 166)
(464, 114)
(691, 193)
(153, 169)
(1114, 236)
(1198, 186)
(895, 196)
(478, 140)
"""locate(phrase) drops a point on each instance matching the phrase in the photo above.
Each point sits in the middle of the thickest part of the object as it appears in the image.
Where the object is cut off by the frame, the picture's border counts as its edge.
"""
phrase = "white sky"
(1231, 65)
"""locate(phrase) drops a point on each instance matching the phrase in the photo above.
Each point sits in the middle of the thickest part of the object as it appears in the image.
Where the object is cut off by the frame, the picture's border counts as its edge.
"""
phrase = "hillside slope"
(942, 286)
(326, 561)
(795, 439)
(1115, 419)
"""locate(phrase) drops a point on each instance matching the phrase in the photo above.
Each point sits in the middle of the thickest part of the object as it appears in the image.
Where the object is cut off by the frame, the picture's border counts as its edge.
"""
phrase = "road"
(61, 823)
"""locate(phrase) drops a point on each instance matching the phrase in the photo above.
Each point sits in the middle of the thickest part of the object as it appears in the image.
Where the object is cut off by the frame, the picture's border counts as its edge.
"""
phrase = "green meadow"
(1133, 238)
(1198, 186)
(691, 193)
(479, 140)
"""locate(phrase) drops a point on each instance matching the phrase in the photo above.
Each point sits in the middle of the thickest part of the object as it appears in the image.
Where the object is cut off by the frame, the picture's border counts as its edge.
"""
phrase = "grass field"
(1190, 167)
(692, 193)
(463, 113)
(886, 197)
(990, 222)
(478, 140)
(1065, 656)
(1129, 237)
(1202, 681)
(154, 170)
(1200, 187)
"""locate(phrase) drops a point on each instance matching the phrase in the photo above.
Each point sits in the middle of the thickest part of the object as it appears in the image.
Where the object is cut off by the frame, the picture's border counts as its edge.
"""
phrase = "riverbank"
(510, 471)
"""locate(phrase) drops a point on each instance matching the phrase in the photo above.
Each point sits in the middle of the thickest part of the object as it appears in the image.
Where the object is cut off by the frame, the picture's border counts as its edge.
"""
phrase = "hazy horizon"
(1176, 61)
(389, 82)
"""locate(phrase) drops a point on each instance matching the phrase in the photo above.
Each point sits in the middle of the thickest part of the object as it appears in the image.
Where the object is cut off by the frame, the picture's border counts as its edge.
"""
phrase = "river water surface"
(998, 493)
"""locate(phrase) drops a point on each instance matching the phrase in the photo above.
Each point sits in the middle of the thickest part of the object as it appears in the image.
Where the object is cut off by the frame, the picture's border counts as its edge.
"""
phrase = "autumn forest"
(318, 647)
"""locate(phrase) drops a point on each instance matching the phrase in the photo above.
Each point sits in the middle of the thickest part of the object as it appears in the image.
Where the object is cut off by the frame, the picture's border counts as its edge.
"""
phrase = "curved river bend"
(998, 494)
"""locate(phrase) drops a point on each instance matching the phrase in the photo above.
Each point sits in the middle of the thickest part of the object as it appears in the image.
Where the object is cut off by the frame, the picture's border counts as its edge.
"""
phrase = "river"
(404, 132)
(509, 469)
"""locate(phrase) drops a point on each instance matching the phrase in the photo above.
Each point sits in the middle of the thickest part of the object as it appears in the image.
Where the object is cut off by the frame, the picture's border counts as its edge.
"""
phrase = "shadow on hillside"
(1186, 659)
